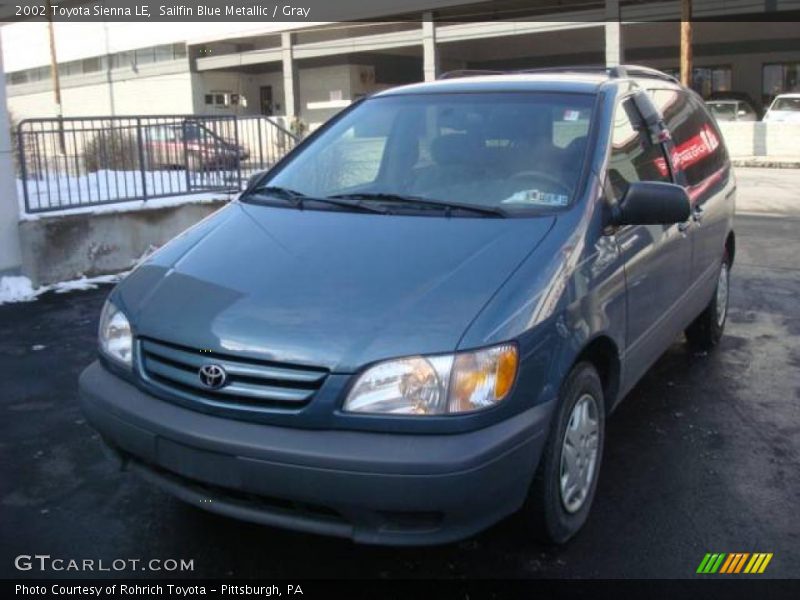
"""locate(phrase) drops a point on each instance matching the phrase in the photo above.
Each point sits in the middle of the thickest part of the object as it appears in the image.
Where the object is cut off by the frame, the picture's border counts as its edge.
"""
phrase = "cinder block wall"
(774, 140)
(62, 248)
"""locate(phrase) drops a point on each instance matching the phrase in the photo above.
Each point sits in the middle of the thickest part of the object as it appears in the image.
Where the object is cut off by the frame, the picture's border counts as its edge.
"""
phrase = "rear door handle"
(697, 213)
(682, 227)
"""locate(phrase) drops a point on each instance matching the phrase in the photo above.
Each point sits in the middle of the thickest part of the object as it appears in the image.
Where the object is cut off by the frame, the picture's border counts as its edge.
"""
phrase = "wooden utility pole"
(54, 76)
(686, 42)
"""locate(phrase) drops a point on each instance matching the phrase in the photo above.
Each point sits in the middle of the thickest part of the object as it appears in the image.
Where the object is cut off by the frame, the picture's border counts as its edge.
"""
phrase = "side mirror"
(653, 203)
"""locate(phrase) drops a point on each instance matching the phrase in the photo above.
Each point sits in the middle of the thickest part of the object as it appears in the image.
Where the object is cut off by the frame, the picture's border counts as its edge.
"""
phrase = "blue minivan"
(417, 322)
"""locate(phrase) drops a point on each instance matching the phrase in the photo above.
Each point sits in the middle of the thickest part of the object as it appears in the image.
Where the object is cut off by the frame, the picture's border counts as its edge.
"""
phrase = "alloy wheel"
(579, 451)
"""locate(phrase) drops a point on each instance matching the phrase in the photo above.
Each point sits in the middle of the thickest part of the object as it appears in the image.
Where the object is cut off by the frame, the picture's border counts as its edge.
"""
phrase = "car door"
(657, 258)
(701, 165)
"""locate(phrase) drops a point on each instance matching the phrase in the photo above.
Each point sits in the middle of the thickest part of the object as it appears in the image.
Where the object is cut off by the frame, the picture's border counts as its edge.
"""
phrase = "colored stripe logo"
(734, 563)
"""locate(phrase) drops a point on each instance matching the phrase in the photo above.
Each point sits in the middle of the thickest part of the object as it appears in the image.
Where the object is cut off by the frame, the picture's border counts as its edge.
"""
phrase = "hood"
(325, 288)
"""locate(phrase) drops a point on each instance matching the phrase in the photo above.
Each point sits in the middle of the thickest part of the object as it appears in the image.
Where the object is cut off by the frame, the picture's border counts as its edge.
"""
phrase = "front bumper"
(380, 488)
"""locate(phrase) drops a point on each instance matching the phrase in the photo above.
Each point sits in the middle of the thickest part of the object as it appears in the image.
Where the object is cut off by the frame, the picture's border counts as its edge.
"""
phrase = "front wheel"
(706, 330)
(565, 482)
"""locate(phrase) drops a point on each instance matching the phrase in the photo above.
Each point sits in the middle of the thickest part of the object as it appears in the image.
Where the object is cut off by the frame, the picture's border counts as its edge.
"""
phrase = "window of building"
(145, 56)
(221, 98)
(69, 69)
(707, 80)
(635, 156)
(18, 77)
(122, 60)
(164, 53)
(92, 65)
(40, 74)
(779, 78)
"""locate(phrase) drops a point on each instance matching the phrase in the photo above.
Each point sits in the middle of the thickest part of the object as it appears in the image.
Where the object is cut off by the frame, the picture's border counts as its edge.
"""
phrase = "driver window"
(634, 157)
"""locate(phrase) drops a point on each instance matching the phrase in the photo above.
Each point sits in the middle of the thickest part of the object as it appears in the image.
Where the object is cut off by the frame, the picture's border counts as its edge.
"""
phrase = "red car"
(190, 145)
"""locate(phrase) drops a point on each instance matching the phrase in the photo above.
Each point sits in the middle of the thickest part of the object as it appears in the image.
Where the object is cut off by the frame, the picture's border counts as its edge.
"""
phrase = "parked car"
(418, 322)
(742, 97)
(785, 108)
(731, 110)
(190, 145)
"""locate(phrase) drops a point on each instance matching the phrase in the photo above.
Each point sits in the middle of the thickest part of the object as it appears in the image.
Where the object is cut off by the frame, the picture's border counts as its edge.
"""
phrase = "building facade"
(311, 72)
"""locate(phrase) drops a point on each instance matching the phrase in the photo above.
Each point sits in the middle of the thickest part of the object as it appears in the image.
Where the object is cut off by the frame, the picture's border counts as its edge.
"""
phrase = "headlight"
(116, 340)
(436, 385)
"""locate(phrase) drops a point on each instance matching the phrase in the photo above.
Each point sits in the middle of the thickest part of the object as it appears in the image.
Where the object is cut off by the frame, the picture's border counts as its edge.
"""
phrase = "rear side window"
(698, 150)
(635, 156)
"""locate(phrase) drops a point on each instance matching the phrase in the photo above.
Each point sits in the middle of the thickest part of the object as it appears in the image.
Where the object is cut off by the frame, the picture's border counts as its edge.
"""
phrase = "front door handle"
(697, 213)
(682, 227)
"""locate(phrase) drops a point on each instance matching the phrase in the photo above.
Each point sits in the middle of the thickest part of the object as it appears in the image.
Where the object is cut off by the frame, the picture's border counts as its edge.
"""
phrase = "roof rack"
(470, 73)
(618, 72)
(640, 71)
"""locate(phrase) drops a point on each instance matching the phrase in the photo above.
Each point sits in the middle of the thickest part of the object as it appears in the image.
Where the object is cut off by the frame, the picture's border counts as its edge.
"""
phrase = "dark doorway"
(265, 94)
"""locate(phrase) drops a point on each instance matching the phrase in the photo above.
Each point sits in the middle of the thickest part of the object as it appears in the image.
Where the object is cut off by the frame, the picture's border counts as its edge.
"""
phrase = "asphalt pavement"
(701, 457)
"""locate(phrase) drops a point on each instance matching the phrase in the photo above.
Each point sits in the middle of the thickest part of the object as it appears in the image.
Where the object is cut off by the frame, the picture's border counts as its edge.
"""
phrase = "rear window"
(515, 151)
(790, 104)
(699, 150)
(723, 109)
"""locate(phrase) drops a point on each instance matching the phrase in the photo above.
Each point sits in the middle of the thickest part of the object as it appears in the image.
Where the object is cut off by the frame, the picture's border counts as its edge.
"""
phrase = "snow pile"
(19, 289)
(83, 283)
(67, 191)
(16, 289)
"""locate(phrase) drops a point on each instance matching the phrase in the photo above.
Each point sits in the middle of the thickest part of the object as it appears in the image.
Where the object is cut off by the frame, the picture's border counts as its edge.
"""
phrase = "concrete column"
(430, 53)
(10, 256)
(290, 100)
(614, 50)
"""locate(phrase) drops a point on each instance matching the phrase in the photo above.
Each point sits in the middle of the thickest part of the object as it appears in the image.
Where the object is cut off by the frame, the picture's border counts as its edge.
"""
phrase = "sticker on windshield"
(537, 197)
(572, 115)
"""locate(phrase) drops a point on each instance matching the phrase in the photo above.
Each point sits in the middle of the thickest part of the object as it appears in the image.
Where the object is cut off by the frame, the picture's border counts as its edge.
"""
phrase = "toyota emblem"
(212, 376)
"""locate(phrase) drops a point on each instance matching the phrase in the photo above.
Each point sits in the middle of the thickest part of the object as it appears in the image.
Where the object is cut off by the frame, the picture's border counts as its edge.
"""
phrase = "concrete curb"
(766, 163)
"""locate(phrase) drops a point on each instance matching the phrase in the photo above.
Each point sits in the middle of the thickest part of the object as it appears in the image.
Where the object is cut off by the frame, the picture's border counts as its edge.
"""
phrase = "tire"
(706, 330)
(553, 516)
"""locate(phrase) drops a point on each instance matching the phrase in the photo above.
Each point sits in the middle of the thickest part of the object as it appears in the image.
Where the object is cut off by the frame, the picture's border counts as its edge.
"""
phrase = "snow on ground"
(68, 195)
(57, 190)
(130, 206)
(16, 289)
(19, 288)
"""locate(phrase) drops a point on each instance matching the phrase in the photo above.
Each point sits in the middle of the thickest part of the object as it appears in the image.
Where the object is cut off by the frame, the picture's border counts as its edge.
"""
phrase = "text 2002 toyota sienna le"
(417, 323)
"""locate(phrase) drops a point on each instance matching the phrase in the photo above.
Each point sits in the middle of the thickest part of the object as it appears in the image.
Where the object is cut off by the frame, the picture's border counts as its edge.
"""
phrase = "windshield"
(723, 109)
(509, 151)
(792, 104)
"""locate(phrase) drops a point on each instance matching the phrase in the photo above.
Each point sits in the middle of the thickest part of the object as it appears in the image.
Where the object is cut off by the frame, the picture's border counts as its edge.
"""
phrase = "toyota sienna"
(418, 321)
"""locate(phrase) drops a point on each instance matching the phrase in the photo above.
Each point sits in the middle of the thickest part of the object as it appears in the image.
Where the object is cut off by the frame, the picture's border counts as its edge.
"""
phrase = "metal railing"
(88, 161)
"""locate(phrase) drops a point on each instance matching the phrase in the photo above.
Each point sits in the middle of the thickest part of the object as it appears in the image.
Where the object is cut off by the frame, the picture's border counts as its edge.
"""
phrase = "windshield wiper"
(298, 199)
(418, 200)
(294, 197)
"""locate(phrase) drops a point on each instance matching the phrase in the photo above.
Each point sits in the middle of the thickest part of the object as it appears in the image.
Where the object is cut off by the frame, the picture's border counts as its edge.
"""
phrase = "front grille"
(253, 383)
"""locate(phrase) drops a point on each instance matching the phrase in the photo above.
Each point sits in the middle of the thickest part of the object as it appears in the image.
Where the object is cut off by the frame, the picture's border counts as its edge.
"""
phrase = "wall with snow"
(69, 246)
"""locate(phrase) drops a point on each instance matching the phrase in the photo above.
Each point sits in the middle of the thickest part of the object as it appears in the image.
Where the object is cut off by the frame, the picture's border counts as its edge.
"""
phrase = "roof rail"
(617, 72)
(470, 73)
(640, 71)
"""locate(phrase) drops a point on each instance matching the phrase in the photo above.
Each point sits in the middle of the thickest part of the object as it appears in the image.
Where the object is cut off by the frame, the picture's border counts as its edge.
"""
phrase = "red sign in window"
(692, 151)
